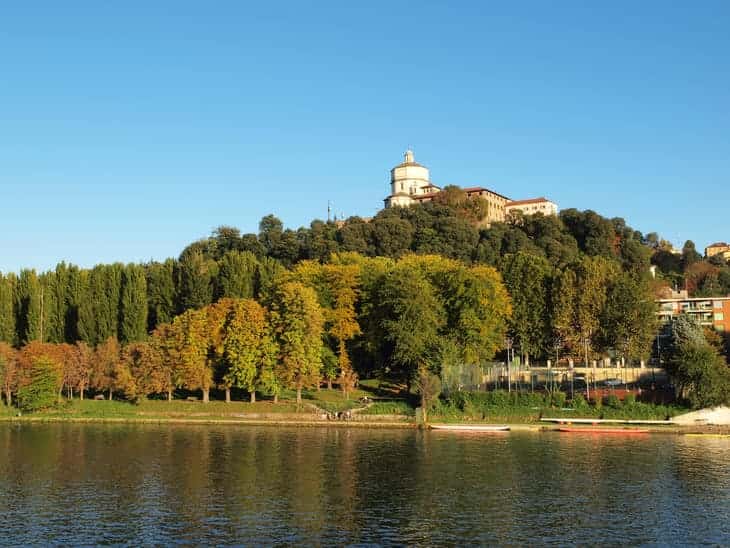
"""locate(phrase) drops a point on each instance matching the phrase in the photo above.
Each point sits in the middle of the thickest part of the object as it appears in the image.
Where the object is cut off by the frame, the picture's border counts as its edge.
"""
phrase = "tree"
(412, 317)
(628, 321)
(527, 278)
(428, 385)
(109, 373)
(99, 306)
(39, 392)
(563, 306)
(160, 293)
(164, 374)
(7, 313)
(192, 338)
(392, 236)
(133, 305)
(699, 373)
(195, 278)
(28, 311)
(236, 275)
(140, 359)
(297, 324)
(270, 233)
(594, 274)
(250, 350)
(689, 255)
(80, 367)
(8, 372)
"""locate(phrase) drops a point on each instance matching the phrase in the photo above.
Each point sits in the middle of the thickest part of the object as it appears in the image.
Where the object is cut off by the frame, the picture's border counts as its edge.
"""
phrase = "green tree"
(413, 315)
(701, 375)
(160, 293)
(249, 347)
(527, 278)
(628, 322)
(237, 275)
(28, 312)
(99, 306)
(689, 255)
(297, 323)
(133, 304)
(563, 306)
(196, 275)
(40, 389)
(7, 312)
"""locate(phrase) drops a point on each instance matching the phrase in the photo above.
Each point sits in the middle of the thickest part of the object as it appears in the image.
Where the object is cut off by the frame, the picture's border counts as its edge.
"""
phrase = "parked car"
(612, 383)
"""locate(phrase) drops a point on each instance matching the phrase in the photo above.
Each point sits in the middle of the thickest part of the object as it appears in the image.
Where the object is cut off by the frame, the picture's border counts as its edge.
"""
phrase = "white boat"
(470, 427)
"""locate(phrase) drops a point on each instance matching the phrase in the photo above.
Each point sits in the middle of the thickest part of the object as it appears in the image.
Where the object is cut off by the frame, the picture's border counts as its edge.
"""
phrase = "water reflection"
(81, 484)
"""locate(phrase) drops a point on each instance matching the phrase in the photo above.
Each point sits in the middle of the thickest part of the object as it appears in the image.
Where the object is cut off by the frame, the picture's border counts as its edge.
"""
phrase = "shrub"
(630, 399)
(557, 398)
(613, 402)
(579, 401)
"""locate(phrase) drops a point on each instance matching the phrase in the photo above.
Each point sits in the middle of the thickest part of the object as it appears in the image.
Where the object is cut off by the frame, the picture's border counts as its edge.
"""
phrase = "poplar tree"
(28, 306)
(133, 304)
(160, 293)
(99, 308)
(7, 312)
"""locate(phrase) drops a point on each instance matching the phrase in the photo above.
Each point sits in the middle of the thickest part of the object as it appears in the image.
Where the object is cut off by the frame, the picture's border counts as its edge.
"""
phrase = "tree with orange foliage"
(192, 347)
(109, 373)
(165, 367)
(79, 366)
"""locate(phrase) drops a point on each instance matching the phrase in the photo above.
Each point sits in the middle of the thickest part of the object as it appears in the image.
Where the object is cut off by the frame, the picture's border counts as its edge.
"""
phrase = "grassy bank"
(371, 402)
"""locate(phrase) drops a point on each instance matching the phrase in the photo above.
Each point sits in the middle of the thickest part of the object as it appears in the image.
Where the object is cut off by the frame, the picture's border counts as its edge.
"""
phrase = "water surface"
(143, 484)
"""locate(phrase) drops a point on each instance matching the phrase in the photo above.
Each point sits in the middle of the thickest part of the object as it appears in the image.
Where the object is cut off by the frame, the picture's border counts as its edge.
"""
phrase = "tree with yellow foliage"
(297, 323)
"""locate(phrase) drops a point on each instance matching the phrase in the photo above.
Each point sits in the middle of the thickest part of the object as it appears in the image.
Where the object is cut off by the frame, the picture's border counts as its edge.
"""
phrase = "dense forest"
(421, 287)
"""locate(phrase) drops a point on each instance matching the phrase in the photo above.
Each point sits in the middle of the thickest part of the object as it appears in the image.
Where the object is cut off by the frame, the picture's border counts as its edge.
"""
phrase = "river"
(78, 484)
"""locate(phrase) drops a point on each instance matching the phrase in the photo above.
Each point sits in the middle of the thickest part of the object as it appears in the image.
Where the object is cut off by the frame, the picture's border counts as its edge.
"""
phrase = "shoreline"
(316, 423)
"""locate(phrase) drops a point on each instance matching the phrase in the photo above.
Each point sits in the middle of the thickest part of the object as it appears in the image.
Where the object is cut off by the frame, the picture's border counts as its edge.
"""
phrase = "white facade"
(407, 181)
(531, 207)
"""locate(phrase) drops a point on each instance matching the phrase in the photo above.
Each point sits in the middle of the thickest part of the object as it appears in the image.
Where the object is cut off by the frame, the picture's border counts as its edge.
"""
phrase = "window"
(719, 317)
(717, 304)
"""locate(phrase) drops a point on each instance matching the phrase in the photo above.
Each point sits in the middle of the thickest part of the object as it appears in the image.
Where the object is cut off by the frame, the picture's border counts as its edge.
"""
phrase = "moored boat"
(604, 430)
(471, 427)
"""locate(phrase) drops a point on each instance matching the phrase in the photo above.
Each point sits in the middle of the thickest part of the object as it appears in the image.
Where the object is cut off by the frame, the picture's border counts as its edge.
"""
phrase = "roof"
(473, 189)
(542, 199)
(693, 299)
(719, 244)
(408, 164)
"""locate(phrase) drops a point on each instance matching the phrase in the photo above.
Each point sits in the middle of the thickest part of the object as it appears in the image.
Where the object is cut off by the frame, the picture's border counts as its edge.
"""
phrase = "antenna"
(329, 210)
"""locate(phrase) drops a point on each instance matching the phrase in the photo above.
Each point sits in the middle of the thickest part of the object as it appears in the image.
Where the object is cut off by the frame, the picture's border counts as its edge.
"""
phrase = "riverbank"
(268, 414)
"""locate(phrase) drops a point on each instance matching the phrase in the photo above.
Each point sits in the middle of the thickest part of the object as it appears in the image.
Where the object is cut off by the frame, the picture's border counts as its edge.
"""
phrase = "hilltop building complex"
(410, 183)
(718, 248)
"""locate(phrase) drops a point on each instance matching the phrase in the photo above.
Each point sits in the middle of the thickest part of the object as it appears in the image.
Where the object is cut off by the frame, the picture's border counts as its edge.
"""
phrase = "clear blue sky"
(129, 129)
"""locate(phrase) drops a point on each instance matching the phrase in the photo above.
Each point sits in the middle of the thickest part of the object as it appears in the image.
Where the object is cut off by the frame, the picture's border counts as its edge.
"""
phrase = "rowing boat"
(470, 427)
(604, 430)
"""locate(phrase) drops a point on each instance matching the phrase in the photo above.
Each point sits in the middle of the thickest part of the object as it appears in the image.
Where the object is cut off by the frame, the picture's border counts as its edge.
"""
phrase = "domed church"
(410, 183)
